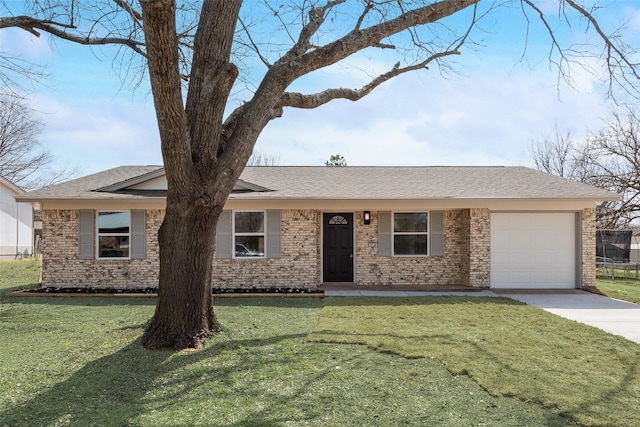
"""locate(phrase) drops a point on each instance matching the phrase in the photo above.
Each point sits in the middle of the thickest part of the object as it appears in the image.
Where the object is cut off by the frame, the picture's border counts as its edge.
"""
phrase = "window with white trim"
(249, 234)
(114, 233)
(410, 233)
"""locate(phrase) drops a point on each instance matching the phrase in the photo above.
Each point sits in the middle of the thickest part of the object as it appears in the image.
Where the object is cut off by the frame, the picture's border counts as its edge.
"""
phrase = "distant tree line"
(23, 159)
(608, 158)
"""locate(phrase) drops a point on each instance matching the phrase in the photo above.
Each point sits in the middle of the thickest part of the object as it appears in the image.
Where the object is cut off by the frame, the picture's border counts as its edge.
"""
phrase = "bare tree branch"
(135, 15)
(23, 160)
(253, 44)
(616, 57)
(298, 100)
(316, 19)
(259, 158)
(609, 159)
(57, 29)
(357, 40)
(620, 68)
(364, 13)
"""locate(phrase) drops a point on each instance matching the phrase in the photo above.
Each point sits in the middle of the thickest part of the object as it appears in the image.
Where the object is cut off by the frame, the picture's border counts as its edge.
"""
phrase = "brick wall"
(450, 269)
(62, 268)
(298, 266)
(479, 251)
(466, 260)
(588, 224)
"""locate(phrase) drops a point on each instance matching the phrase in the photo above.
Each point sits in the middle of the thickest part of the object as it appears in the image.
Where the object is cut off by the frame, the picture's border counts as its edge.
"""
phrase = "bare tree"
(563, 155)
(258, 158)
(609, 159)
(23, 160)
(614, 158)
(207, 52)
(555, 154)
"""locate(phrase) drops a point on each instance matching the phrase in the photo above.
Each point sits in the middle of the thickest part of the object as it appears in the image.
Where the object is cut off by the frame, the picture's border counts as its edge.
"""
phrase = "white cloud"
(421, 119)
(487, 117)
(18, 42)
(100, 135)
(417, 120)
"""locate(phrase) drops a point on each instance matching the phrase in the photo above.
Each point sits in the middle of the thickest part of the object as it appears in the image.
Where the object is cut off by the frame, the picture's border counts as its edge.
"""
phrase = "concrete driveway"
(613, 316)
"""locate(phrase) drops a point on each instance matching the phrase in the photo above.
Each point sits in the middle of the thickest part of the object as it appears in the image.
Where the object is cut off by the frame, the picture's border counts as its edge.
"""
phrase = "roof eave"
(270, 197)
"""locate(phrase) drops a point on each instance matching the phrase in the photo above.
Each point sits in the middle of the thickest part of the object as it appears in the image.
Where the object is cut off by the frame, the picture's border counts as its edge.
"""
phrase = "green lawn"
(508, 348)
(623, 287)
(78, 362)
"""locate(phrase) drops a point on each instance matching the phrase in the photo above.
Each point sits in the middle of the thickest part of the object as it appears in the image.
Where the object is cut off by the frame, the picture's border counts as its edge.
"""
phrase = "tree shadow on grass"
(119, 388)
(591, 402)
(266, 375)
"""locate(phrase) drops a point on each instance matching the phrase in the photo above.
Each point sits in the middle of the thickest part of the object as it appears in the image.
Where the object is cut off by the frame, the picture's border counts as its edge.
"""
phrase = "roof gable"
(157, 181)
(152, 179)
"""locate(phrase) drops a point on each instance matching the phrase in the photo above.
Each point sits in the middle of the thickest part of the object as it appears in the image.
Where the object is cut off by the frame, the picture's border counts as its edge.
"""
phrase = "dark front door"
(337, 247)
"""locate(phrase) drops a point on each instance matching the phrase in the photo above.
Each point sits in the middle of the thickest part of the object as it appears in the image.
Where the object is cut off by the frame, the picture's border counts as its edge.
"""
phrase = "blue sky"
(487, 114)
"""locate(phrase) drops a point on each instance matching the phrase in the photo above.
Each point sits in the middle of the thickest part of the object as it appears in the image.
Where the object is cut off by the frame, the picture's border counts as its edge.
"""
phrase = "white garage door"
(533, 250)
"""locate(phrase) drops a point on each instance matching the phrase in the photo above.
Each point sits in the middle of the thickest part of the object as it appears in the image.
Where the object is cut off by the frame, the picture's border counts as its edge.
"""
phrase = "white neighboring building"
(16, 222)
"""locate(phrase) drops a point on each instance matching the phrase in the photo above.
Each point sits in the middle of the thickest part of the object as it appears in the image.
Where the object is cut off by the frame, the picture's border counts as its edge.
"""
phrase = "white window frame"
(256, 234)
(395, 233)
(98, 234)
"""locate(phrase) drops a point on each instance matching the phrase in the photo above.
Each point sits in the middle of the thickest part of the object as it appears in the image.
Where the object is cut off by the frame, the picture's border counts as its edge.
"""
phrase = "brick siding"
(62, 268)
(450, 269)
(466, 259)
(299, 264)
(480, 247)
(588, 224)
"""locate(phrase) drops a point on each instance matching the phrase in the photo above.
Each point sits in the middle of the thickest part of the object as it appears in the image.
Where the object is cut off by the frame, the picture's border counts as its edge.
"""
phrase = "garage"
(533, 250)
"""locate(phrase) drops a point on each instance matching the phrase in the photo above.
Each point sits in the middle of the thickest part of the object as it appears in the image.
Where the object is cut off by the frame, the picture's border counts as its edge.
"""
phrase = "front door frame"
(353, 243)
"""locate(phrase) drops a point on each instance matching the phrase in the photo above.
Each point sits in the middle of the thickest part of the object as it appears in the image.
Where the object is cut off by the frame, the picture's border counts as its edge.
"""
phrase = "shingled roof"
(86, 186)
(344, 183)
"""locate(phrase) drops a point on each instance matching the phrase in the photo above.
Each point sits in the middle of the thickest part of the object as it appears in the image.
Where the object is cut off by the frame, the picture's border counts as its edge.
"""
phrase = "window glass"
(249, 246)
(338, 220)
(410, 233)
(113, 222)
(410, 222)
(249, 236)
(410, 244)
(249, 222)
(113, 246)
(113, 234)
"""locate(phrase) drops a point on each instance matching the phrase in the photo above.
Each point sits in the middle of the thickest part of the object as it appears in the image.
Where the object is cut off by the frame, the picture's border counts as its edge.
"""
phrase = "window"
(249, 234)
(338, 220)
(410, 233)
(113, 234)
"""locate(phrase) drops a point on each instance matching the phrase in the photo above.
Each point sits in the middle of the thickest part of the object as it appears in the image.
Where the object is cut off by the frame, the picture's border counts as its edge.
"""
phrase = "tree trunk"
(198, 181)
(184, 314)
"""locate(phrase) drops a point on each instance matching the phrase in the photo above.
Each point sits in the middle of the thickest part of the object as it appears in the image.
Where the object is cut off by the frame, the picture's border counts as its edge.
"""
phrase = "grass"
(508, 348)
(78, 362)
(626, 288)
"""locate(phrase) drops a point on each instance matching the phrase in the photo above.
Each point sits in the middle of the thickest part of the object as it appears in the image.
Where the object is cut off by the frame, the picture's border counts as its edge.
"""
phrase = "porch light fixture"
(367, 217)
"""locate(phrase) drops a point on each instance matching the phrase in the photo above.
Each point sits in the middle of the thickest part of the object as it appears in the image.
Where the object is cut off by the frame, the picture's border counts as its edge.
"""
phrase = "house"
(498, 227)
(16, 222)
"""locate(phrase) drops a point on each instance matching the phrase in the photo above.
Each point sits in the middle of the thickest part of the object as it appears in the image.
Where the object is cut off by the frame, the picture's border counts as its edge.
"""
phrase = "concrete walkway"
(613, 316)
